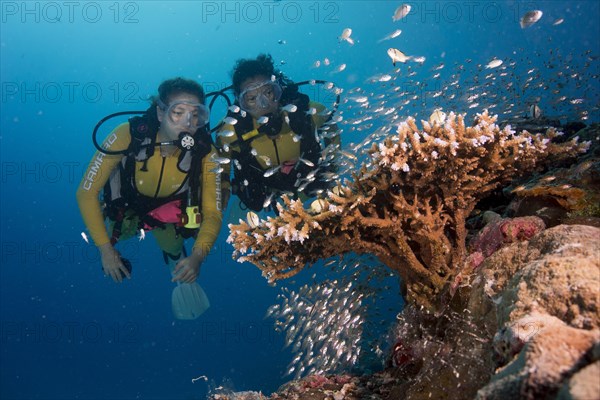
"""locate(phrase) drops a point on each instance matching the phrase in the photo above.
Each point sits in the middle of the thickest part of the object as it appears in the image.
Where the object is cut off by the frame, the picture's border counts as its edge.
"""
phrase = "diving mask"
(260, 96)
(186, 115)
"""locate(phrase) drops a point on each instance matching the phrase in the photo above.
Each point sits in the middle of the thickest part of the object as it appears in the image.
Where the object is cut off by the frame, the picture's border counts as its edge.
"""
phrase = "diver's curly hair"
(247, 68)
(172, 87)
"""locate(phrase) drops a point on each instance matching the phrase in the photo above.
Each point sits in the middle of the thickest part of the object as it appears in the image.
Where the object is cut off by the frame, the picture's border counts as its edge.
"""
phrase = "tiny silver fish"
(361, 99)
(340, 68)
(345, 36)
(226, 133)
(290, 108)
(220, 160)
(266, 159)
(268, 200)
(336, 119)
(401, 12)
(397, 56)
(303, 186)
(392, 35)
(348, 155)
(437, 117)
(535, 111)
(307, 162)
(494, 63)
(230, 120)
(271, 171)
(311, 175)
(252, 219)
(530, 18)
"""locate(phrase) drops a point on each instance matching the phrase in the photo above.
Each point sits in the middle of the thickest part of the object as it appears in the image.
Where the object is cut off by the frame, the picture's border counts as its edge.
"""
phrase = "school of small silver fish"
(528, 84)
(331, 324)
(522, 85)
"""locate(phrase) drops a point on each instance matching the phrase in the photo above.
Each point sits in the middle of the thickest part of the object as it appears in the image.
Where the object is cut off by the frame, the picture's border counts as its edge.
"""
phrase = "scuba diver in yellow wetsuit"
(279, 140)
(158, 173)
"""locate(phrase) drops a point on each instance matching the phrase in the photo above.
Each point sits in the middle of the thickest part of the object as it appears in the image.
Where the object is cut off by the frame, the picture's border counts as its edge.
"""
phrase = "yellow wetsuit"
(272, 152)
(162, 179)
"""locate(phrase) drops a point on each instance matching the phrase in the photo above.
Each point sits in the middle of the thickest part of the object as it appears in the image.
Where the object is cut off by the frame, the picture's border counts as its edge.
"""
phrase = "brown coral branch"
(408, 207)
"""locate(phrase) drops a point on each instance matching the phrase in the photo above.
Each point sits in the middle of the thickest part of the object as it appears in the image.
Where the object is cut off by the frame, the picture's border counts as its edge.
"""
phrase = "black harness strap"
(141, 129)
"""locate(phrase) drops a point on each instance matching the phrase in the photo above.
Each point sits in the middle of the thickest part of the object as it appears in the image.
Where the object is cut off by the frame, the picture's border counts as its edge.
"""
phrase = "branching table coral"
(407, 206)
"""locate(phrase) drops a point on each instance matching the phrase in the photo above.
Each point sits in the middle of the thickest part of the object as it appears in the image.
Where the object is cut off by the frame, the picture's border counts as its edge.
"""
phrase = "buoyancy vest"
(120, 195)
(250, 183)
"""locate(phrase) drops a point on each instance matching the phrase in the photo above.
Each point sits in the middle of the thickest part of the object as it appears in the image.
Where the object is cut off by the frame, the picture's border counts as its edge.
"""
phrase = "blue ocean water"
(66, 331)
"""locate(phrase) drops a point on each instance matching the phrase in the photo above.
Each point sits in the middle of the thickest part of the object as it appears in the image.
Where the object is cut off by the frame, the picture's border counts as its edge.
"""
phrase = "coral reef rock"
(566, 194)
(542, 298)
(500, 232)
(528, 326)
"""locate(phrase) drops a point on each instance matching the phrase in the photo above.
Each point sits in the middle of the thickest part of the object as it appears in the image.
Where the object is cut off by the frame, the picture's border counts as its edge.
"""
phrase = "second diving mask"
(260, 96)
(186, 115)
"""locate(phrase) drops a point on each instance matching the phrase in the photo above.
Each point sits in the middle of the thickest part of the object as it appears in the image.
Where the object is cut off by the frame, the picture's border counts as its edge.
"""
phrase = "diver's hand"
(187, 269)
(112, 264)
